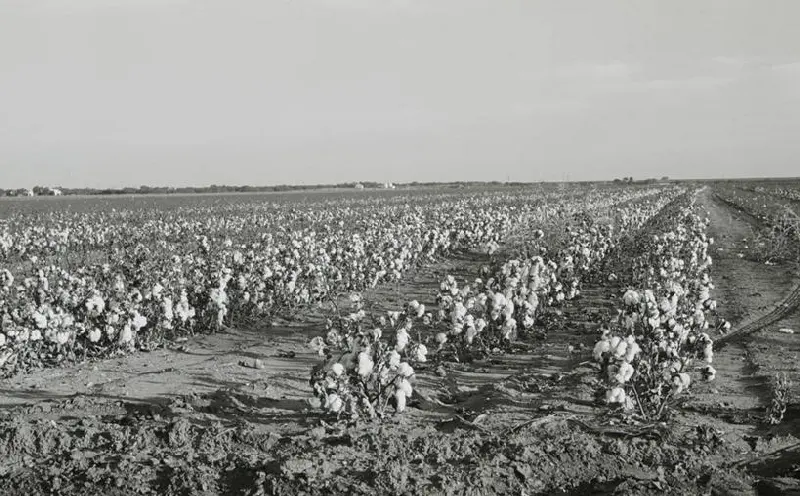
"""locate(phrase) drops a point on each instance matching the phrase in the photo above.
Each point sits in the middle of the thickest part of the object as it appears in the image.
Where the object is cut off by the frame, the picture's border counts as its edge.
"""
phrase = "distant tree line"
(630, 180)
(216, 189)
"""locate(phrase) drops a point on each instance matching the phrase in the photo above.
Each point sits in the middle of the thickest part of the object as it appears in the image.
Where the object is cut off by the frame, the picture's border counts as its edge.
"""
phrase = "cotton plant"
(364, 371)
(659, 342)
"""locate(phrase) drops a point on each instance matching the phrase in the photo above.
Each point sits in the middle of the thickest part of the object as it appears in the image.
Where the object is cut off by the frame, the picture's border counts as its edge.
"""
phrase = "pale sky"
(110, 93)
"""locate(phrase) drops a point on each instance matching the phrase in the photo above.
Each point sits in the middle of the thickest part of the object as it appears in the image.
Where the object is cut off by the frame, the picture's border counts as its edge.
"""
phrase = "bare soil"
(228, 413)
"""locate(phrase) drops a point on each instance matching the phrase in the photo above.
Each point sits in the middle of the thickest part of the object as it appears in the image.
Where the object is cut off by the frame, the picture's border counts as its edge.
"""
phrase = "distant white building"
(359, 186)
(56, 192)
(28, 192)
(388, 186)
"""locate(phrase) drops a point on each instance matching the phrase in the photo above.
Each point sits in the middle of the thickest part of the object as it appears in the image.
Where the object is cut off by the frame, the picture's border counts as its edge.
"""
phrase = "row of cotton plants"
(660, 339)
(369, 358)
(154, 289)
(490, 314)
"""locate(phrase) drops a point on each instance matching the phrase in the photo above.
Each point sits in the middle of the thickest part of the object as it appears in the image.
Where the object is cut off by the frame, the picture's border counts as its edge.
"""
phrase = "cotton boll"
(624, 373)
(365, 364)
(404, 386)
(616, 395)
(126, 335)
(401, 340)
(405, 370)
(94, 335)
(334, 403)
(621, 349)
(394, 359)
(680, 382)
(400, 400)
(441, 338)
(708, 353)
(602, 346)
(421, 353)
(632, 351)
(337, 369)
(469, 335)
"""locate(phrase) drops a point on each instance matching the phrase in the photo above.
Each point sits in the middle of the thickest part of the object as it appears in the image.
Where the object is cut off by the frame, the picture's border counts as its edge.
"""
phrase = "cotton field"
(424, 341)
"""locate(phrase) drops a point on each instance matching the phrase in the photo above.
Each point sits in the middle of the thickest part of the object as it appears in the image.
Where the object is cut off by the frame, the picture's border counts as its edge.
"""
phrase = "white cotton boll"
(632, 351)
(420, 311)
(709, 373)
(624, 373)
(401, 340)
(421, 353)
(365, 364)
(616, 395)
(510, 330)
(337, 369)
(680, 382)
(400, 398)
(334, 403)
(126, 335)
(708, 353)
(394, 359)
(620, 349)
(139, 321)
(441, 338)
(2, 339)
(528, 322)
(404, 386)
(94, 335)
(602, 346)
(405, 370)
(469, 334)
(40, 320)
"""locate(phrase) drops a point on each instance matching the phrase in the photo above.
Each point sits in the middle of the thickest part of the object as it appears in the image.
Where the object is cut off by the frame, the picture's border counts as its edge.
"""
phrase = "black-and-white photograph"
(399, 247)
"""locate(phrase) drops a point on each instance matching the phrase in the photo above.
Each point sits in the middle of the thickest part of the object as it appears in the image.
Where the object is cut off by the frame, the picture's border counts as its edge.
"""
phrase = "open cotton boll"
(400, 400)
(125, 335)
(420, 353)
(337, 369)
(394, 359)
(708, 353)
(334, 403)
(624, 373)
(469, 335)
(602, 346)
(632, 351)
(94, 335)
(614, 342)
(441, 338)
(616, 395)
(680, 382)
(405, 370)
(620, 349)
(404, 386)
(402, 339)
(365, 365)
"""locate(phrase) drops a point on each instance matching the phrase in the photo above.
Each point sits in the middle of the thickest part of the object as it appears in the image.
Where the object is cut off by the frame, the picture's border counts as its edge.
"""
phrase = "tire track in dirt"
(781, 310)
(753, 296)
